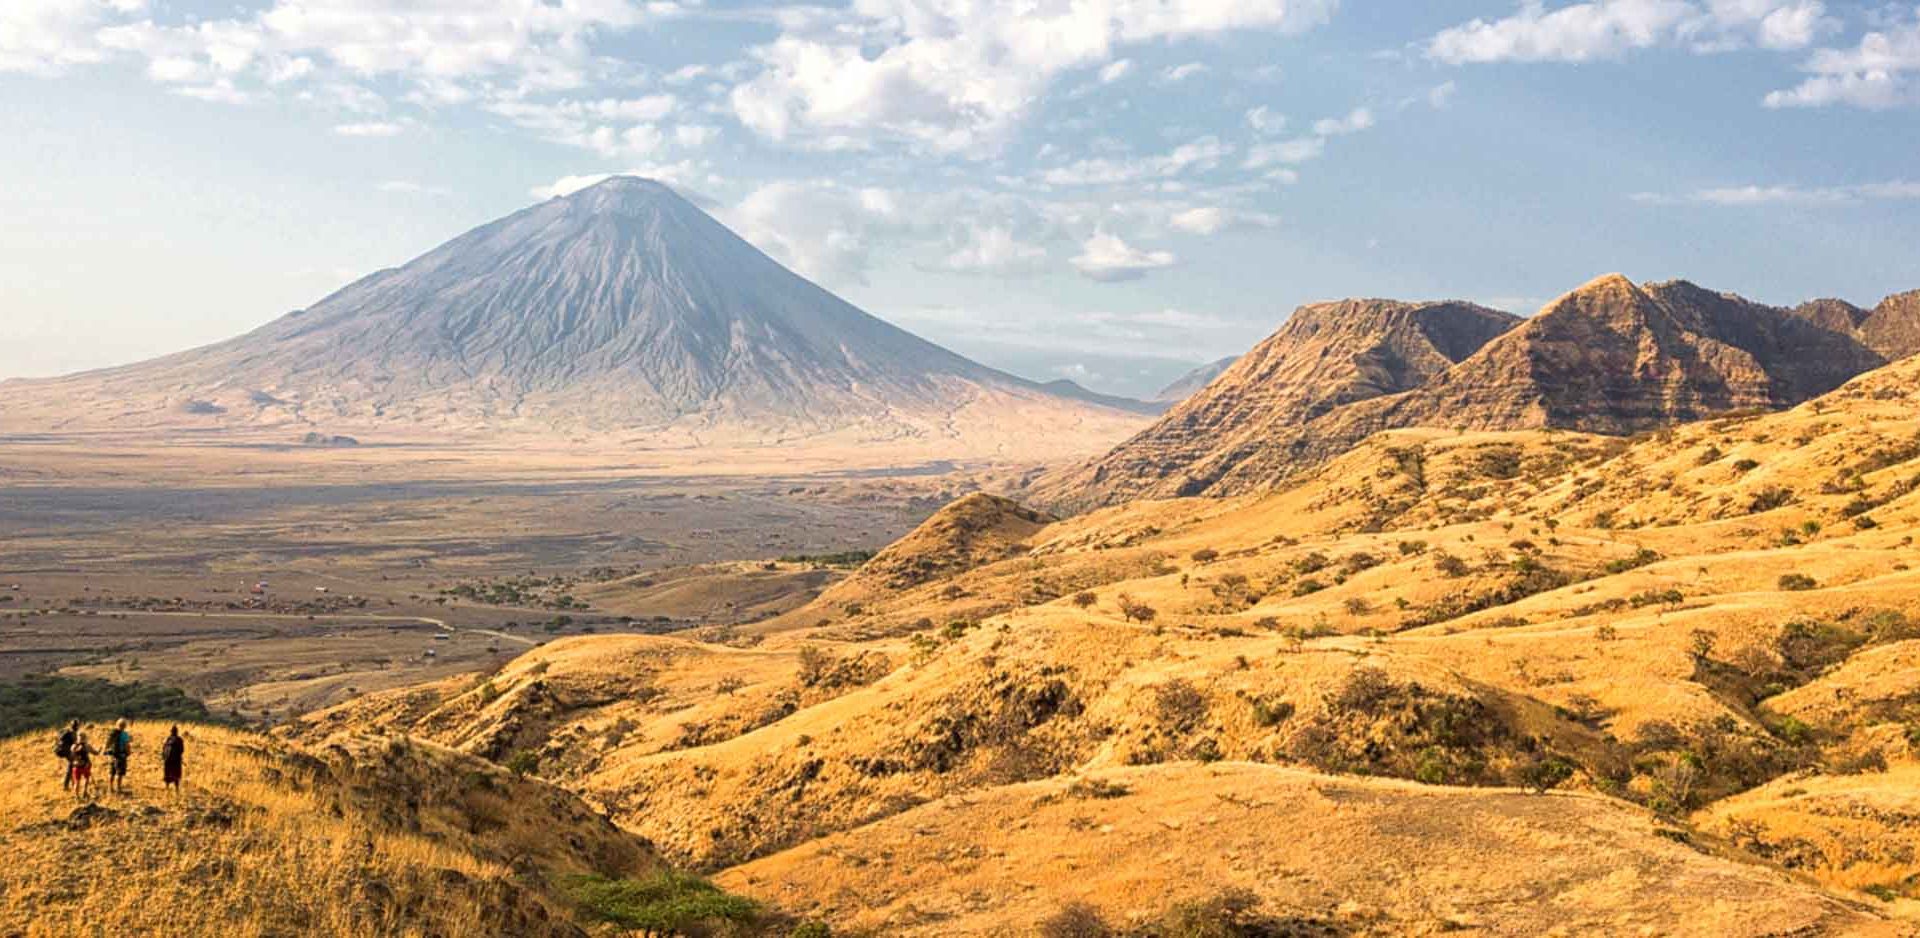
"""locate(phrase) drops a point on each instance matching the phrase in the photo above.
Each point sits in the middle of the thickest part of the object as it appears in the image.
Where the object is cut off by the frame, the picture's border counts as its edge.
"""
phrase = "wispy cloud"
(1898, 190)
(370, 129)
(1609, 29)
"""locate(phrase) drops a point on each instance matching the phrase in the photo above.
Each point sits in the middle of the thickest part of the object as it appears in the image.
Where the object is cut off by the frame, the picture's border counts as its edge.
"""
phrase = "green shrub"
(1543, 774)
(524, 763)
(668, 902)
(1640, 558)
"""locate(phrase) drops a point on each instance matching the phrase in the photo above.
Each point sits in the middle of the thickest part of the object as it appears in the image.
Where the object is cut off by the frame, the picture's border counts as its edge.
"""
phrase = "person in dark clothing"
(119, 748)
(172, 758)
(64, 749)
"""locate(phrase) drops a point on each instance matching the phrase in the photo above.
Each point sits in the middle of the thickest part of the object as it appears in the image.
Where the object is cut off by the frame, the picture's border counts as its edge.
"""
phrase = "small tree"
(1700, 643)
(1135, 611)
(1083, 600)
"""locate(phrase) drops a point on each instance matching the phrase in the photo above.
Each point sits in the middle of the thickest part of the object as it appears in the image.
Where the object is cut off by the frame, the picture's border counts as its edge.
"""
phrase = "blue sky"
(1108, 190)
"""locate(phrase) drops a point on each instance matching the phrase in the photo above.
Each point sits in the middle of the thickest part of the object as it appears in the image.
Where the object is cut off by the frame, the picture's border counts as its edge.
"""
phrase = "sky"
(1110, 191)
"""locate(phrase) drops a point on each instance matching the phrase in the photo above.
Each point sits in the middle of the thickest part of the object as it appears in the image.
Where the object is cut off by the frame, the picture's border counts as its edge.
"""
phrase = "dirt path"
(440, 624)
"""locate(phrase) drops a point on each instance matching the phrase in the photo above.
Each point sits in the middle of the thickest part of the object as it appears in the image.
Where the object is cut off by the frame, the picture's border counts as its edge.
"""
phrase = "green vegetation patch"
(43, 701)
(669, 903)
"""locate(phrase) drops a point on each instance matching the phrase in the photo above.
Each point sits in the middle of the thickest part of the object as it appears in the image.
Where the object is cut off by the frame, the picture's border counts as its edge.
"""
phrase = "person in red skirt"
(80, 767)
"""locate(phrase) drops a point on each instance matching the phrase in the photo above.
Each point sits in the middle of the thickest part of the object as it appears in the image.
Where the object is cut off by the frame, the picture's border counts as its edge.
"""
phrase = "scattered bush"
(1135, 611)
(1796, 582)
(1083, 600)
(1180, 705)
(1640, 558)
(1205, 555)
(1076, 920)
(1769, 498)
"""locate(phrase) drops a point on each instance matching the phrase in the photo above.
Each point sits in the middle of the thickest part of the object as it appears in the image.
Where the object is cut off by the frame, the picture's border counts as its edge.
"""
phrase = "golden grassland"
(265, 840)
(1702, 639)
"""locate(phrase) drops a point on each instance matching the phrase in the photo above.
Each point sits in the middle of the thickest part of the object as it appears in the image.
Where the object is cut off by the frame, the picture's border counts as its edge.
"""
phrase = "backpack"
(64, 748)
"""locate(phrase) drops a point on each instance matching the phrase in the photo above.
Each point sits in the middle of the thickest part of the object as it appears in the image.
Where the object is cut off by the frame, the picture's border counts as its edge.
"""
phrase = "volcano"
(620, 308)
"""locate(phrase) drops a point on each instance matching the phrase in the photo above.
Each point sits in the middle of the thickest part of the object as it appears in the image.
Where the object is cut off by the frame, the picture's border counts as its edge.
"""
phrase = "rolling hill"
(1329, 707)
(1610, 357)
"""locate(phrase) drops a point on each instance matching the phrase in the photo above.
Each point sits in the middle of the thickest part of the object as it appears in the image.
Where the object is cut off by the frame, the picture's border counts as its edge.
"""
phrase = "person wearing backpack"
(80, 766)
(64, 750)
(119, 748)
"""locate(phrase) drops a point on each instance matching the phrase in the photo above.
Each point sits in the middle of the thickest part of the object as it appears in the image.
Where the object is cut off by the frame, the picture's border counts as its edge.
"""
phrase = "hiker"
(172, 753)
(119, 748)
(80, 766)
(64, 749)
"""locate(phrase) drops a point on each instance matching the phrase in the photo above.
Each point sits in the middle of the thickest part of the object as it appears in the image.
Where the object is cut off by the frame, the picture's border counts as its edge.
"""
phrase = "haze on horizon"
(1154, 187)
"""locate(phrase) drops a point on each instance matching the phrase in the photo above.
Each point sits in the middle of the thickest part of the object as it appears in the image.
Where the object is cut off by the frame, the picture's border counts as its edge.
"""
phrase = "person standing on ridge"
(64, 750)
(80, 767)
(119, 748)
(172, 758)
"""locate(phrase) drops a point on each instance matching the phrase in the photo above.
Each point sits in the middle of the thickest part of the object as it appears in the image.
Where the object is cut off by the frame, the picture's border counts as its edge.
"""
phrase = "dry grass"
(262, 841)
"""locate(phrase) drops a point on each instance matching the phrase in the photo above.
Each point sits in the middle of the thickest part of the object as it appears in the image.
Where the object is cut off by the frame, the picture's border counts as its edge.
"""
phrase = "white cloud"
(685, 177)
(442, 52)
(1197, 156)
(407, 187)
(1608, 29)
(1290, 152)
(957, 75)
(370, 129)
(1179, 73)
(1357, 120)
(1750, 195)
(46, 37)
(994, 250)
(694, 136)
(1264, 120)
(1115, 70)
(1205, 220)
(1441, 95)
(1876, 74)
(824, 231)
(1108, 259)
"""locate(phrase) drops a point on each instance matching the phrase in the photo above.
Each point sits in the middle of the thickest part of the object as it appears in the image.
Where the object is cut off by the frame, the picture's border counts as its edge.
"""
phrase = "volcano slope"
(620, 313)
(1322, 708)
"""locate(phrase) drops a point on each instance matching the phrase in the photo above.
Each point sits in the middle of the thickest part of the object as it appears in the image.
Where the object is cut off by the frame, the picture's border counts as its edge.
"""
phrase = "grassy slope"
(1456, 608)
(372, 837)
